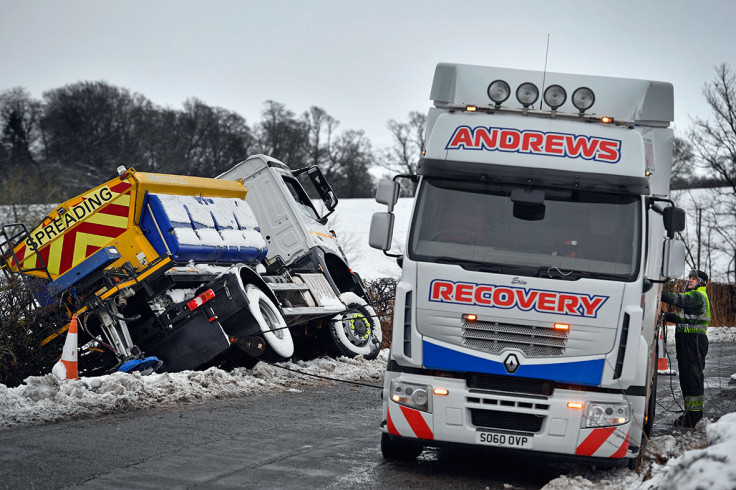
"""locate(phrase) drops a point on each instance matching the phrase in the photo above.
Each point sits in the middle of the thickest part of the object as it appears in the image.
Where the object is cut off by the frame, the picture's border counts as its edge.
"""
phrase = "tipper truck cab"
(170, 272)
(302, 249)
(526, 315)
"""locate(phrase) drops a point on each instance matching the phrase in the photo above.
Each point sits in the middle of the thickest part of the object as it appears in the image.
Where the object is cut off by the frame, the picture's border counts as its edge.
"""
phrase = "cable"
(322, 377)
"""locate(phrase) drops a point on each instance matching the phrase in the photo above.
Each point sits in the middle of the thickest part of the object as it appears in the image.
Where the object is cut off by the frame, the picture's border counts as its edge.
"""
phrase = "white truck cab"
(526, 316)
(306, 269)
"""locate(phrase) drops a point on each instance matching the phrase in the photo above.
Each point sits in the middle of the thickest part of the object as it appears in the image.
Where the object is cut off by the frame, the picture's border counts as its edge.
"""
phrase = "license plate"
(503, 440)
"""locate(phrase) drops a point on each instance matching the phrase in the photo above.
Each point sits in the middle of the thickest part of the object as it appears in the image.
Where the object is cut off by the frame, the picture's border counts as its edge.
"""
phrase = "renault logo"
(511, 363)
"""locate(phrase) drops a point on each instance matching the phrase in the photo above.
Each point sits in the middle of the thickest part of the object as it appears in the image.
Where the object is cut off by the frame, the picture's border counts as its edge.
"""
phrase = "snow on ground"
(42, 399)
(352, 223)
(702, 458)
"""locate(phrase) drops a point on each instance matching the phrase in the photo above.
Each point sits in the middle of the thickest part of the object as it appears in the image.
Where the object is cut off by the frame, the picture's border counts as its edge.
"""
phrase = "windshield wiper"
(556, 273)
(574, 275)
(480, 266)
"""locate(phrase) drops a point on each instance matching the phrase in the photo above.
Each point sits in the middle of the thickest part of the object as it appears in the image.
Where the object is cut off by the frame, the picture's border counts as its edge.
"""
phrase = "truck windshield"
(300, 197)
(580, 233)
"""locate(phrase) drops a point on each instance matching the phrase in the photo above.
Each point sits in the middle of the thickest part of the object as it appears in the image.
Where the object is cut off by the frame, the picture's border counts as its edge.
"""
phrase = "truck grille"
(320, 288)
(495, 337)
(496, 419)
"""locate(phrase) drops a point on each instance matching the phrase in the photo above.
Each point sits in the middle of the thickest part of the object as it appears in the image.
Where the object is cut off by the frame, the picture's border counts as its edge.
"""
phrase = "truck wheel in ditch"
(279, 344)
(357, 331)
(399, 450)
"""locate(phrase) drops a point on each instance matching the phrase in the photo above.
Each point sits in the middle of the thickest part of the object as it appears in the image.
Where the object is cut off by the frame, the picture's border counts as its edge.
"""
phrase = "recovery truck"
(171, 272)
(526, 314)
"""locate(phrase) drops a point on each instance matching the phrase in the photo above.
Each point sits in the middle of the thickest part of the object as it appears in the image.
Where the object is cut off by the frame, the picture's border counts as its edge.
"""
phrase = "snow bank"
(699, 459)
(711, 467)
(718, 334)
(47, 399)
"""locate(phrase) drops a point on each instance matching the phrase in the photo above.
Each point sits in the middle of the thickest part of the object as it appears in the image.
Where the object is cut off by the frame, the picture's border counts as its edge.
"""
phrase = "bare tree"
(281, 135)
(19, 128)
(714, 145)
(321, 128)
(90, 128)
(408, 143)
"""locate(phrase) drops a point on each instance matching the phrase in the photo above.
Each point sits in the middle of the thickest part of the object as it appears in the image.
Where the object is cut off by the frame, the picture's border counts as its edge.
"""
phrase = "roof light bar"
(583, 99)
(554, 96)
(498, 91)
(527, 94)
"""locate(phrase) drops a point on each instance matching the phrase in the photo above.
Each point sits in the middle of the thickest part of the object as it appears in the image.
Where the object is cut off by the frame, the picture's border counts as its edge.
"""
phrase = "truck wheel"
(279, 344)
(399, 450)
(357, 332)
(651, 407)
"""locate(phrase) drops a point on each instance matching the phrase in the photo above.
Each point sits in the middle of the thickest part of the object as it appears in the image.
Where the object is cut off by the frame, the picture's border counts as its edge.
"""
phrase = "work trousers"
(691, 351)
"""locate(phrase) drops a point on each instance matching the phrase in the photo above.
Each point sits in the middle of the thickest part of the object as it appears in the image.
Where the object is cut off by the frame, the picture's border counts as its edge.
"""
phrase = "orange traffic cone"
(663, 365)
(66, 368)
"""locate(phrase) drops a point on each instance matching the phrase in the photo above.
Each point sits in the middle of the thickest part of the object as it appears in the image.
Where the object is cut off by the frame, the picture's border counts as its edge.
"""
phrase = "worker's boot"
(688, 419)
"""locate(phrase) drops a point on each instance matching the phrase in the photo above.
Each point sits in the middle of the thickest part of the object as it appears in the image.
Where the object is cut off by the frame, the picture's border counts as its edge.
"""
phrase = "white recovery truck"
(526, 315)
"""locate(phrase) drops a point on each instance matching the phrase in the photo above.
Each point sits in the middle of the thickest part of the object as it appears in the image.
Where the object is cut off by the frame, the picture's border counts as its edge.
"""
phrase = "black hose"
(83, 322)
(121, 317)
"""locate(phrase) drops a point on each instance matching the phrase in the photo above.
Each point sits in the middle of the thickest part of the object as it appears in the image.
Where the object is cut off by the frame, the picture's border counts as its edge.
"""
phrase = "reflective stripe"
(694, 403)
(697, 318)
(695, 322)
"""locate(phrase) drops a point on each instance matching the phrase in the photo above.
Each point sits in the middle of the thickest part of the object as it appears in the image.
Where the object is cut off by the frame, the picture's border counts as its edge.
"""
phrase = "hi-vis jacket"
(695, 314)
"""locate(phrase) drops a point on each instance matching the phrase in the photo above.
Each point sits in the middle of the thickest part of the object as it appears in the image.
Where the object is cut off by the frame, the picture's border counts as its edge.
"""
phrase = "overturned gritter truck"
(173, 272)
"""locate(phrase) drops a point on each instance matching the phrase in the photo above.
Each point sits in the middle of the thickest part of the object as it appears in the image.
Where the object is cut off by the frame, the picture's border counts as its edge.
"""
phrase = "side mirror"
(674, 220)
(382, 230)
(387, 193)
(673, 259)
(323, 187)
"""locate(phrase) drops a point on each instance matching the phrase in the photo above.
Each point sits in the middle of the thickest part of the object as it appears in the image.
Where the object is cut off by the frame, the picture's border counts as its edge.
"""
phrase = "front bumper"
(505, 420)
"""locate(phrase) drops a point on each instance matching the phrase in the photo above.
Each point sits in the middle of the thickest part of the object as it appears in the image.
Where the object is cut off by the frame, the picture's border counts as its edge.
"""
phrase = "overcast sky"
(364, 62)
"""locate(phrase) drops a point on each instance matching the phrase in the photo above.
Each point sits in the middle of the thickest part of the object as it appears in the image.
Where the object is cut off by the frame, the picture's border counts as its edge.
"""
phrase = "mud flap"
(192, 344)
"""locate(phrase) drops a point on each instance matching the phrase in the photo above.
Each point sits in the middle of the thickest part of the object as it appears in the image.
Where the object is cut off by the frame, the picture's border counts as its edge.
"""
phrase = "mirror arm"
(300, 171)
(413, 177)
(652, 199)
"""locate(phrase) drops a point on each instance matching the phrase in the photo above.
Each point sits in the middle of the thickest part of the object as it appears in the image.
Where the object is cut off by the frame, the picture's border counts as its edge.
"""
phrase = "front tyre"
(279, 344)
(396, 450)
(357, 332)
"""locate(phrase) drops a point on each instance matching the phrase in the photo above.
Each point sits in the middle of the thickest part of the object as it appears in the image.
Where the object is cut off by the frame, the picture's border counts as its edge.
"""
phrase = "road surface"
(325, 437)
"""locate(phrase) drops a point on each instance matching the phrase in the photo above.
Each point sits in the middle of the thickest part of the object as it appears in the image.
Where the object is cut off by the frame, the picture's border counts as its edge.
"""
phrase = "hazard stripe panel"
(83, 238)
(408, 422)
(604, 442)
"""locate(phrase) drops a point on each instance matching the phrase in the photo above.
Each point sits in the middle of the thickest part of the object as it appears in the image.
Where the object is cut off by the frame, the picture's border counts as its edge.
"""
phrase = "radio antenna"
(544, 76)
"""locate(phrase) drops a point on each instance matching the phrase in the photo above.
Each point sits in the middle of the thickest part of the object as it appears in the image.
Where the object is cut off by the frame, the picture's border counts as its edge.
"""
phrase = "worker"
(691, 343)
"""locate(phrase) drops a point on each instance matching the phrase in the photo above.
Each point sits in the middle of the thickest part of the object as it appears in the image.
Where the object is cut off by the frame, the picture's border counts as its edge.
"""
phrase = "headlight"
(554, 96)
(601, 414)
(498, 91)
(410, 394)
(527, 94)
(583, 98)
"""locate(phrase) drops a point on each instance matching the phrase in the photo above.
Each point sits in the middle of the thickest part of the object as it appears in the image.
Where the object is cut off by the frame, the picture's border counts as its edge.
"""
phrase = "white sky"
(364, 62)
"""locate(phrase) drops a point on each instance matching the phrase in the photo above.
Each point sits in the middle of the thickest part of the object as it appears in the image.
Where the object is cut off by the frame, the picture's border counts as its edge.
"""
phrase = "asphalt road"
(326, 437)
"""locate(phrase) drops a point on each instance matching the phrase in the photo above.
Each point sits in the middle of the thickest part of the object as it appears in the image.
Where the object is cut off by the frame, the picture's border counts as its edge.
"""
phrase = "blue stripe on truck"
(580, 372)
